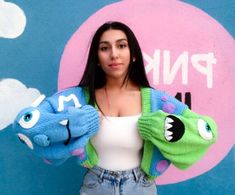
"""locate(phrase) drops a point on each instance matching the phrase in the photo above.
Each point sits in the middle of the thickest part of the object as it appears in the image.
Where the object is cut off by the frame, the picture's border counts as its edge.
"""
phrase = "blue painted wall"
(34, 58)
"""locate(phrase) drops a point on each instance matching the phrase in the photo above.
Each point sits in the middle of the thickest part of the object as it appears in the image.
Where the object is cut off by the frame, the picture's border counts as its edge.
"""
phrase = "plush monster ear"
(38, 101)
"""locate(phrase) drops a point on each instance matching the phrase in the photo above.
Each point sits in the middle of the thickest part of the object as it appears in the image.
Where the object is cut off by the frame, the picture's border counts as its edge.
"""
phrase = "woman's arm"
(181, 135)
(59, 127)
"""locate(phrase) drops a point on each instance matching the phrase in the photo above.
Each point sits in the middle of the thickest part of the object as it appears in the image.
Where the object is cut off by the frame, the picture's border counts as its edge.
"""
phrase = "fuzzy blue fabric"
(59, 127)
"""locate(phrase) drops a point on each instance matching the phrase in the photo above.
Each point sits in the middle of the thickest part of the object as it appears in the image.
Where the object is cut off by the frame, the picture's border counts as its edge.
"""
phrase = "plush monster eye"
(29, 119)
(204, 130)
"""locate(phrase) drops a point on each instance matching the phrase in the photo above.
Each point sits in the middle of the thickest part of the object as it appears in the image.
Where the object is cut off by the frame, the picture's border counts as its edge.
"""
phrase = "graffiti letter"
(209, 59)
(170, 73)
(187, 99)
(153, 64)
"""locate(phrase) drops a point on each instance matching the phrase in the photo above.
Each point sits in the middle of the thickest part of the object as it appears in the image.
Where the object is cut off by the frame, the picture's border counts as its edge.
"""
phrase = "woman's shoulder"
(68, 90)
(69, 93)
(73, 96)
(152, 91)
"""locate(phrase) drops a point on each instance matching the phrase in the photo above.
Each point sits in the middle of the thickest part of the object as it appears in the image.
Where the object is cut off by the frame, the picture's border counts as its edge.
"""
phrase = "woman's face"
(114, 54)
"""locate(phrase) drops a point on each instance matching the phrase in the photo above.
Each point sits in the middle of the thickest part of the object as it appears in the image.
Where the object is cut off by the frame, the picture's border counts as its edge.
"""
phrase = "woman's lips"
(115, 65)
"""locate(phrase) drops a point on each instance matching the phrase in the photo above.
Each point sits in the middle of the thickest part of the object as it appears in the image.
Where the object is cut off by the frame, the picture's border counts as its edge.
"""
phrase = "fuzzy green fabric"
(198, 133)
(148, 146)
(92, 157)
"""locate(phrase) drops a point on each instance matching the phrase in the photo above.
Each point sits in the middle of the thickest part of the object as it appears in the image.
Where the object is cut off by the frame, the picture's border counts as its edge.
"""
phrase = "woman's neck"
(114, 85)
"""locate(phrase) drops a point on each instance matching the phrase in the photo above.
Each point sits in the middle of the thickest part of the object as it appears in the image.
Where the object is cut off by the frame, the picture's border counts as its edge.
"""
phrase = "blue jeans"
(98, 181)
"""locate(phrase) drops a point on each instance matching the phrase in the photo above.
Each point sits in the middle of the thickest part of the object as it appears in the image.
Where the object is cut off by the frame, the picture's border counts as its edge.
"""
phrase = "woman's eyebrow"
(107, 42)
(121, 40)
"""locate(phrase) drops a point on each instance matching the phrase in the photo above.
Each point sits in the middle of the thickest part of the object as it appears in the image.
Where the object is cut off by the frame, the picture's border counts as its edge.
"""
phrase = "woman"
(139, 133)
(116, 83)
(113, 78)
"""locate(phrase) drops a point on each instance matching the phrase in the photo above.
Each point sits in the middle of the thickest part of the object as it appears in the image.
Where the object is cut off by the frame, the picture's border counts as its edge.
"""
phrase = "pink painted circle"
(185, 50)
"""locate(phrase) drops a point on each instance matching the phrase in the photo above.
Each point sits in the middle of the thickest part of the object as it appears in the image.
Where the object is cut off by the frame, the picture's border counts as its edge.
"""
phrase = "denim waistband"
(117, 175)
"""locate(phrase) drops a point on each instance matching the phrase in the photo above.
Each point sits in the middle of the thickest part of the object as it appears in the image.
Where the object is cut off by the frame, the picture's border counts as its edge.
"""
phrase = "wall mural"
(12, 20)
(186, 52)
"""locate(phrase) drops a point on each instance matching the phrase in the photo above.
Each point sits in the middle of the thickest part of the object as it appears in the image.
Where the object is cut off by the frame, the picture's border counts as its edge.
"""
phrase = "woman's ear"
(133, 60)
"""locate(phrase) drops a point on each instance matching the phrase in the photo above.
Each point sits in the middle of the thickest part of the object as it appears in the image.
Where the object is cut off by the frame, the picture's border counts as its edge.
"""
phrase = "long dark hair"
(94, 77)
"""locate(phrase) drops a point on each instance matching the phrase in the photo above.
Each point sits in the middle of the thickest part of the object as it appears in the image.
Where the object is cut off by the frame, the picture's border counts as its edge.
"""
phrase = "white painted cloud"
(12, 20)
(14, 96)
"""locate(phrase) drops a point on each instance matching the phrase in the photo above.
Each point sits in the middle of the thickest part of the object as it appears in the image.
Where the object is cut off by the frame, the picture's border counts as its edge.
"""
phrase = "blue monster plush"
(58, 127)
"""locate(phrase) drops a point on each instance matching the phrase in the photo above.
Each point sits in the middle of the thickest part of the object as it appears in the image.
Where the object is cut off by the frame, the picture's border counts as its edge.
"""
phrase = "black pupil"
(27, 117)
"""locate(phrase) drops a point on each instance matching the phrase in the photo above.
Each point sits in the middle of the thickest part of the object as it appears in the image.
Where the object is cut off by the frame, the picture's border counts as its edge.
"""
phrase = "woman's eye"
(29, 119)
(104, 48)
(122, 46)
(204, 130)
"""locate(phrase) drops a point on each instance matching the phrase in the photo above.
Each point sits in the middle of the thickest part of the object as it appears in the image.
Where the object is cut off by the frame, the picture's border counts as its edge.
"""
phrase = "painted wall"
(33, 49)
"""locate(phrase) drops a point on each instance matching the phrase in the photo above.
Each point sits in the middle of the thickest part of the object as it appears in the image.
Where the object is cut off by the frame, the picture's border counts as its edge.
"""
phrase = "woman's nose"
(114, 53)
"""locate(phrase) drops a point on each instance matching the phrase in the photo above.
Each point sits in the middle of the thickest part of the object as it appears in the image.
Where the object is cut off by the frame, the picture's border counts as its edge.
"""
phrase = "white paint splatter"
(12, 20)
(14, 96)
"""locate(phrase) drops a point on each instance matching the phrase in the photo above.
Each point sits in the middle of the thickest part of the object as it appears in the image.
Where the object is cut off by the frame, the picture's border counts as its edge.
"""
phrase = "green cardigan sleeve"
(182, 139)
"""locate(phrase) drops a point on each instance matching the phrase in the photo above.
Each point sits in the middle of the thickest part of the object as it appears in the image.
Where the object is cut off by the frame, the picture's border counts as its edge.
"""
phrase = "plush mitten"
(64, 126)
(56, 135)
(57, 153)
(181, 139)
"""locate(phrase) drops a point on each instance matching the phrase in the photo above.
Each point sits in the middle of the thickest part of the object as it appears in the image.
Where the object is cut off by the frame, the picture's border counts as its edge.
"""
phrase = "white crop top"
(118, 143)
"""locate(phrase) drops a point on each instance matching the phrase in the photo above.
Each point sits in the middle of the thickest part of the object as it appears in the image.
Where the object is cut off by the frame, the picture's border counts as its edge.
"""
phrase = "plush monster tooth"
(168, 133)
(64, 122)
(168, 126)
(169, 120)
(168, 138)
(25, 140)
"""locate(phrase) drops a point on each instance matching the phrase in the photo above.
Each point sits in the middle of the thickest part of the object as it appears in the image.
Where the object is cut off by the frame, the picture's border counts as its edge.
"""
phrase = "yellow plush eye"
(204, 130)
(29, 119)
